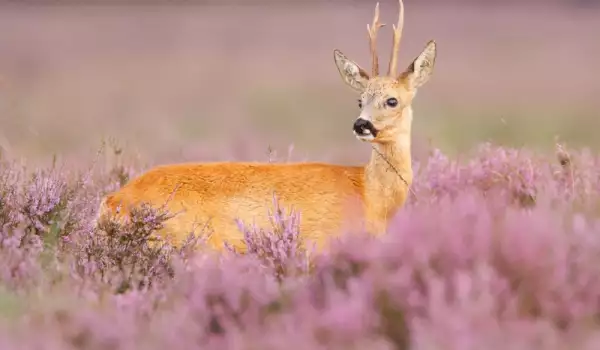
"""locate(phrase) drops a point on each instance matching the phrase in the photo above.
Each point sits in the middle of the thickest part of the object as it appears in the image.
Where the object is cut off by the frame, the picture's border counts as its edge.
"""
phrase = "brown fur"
(331, 199)
(213, 195)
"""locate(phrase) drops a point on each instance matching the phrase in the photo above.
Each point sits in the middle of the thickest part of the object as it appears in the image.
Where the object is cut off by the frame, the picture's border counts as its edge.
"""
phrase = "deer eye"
(359, 103)
(392, 102)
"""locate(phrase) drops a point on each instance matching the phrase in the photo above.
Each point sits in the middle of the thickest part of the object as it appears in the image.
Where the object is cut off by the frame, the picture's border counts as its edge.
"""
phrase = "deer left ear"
(421, 69)
(352, 73)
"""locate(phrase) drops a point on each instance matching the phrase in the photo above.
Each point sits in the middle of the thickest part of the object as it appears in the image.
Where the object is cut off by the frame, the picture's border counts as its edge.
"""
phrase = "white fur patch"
(365, 138)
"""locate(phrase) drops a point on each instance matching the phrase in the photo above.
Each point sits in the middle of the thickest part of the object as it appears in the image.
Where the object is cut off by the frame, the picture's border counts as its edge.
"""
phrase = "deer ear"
(421, 69)
(351, 73)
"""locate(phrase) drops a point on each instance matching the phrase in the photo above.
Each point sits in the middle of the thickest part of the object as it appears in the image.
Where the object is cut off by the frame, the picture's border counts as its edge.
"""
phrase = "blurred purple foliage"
(500, 250)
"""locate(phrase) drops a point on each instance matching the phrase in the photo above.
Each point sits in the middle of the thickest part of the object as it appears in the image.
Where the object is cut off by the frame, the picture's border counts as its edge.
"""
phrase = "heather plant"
(19, 247)
(279, 249)
(508, 172)
(518, 175)
(125, 255)
(10, 180)
(497, 250)
(45, 198)
(19, 253)
(466, 268)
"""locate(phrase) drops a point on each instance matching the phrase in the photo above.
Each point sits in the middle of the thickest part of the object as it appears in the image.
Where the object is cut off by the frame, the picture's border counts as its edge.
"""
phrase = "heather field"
(498, 246)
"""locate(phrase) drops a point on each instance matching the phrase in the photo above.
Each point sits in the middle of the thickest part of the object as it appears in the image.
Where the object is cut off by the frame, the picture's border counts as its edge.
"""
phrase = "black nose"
(363, 127)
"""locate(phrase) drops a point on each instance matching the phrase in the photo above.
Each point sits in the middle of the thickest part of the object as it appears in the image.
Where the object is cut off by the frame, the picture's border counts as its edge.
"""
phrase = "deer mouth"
(365, 138)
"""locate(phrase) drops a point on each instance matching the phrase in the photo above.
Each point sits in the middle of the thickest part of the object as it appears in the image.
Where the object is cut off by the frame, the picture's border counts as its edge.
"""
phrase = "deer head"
(385, 100)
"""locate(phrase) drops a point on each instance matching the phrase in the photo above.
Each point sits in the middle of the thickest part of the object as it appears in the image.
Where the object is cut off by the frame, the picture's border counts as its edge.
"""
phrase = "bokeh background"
(228, 80)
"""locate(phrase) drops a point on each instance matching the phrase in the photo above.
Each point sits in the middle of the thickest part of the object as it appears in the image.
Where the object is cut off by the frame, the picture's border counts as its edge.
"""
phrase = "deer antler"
(396, 40)
(372, 29)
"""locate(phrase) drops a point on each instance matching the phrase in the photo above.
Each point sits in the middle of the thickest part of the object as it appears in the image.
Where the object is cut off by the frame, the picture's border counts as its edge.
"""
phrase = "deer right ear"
(351, 72)
(419, 72)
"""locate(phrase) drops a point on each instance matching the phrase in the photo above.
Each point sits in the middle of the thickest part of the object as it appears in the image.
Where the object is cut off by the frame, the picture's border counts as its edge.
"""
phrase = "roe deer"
(331, 199)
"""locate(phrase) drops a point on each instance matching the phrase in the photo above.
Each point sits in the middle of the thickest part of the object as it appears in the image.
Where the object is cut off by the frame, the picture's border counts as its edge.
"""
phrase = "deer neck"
(388, 176)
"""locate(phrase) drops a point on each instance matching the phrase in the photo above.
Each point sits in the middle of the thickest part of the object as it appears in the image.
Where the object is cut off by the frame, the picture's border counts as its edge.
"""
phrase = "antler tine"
(396, 41)
(372, 29)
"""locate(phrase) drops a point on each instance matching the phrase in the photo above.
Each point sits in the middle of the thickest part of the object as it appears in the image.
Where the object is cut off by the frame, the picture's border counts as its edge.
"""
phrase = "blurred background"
(221, 80)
